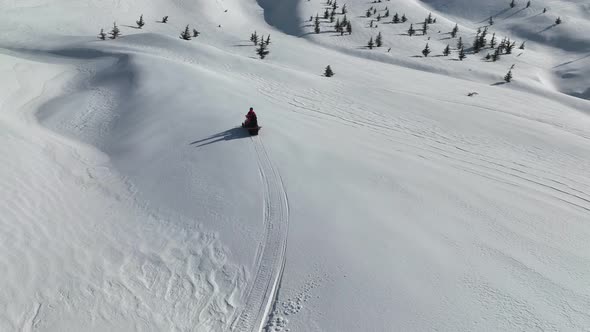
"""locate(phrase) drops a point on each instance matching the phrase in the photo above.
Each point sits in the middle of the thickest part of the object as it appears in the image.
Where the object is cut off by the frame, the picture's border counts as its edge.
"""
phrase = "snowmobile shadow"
(227, 135)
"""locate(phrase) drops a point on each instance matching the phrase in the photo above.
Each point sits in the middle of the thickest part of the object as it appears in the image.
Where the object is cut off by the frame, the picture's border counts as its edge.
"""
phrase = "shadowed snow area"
(404, 193)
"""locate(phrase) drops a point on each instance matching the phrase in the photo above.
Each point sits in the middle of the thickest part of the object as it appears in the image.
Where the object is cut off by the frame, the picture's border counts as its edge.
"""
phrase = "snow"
(383, 198)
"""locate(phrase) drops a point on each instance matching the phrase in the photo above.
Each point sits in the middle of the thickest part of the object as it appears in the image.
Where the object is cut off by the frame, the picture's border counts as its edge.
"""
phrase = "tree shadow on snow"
(547, 28)
(498, 83)
(226, 135)
(130, 26)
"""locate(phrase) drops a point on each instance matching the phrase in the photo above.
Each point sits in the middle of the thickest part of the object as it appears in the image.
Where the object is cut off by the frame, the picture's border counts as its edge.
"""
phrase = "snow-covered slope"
(383, 198)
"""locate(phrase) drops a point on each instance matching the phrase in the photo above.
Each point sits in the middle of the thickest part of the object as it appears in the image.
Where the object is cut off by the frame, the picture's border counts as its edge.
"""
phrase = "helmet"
(251, 109)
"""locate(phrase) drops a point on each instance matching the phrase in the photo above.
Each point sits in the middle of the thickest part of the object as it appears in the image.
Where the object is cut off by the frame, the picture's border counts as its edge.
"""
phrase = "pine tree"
(454, 31)
(496, 55)
(344, 21)
(411, 30)
(488, 56)
(522, 45)
(371, 24)
(165, 19)
(512, 4)
(378, 17)
(254, 38)
(395, 18)
(196, 33)
(509, 46)
(328, 72)
(425, 27)
(460, 43)
(102, 35)
(369, 13)
(544, 10)
(528, 4)
(476, 46)
(447, 50)
(429, 18)
(387, 13)
(426, 50)
(337, 26)
(493, 40)
(491, 21)
(326, 14)
(482, 38)
(268, 39)
(186, 35)
(115, 32)
(262, 50)
(508, 76)
(332, 15)
(344, 10)
(379, 40)
(335, 5)
(462, 54)
(404, 18)
(370, 44)
(349, 28)
(316, 28)
(558, 20)
(140, 22)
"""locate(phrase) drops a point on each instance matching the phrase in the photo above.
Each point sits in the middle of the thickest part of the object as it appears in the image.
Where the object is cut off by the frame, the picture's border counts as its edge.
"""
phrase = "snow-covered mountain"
(405, 193)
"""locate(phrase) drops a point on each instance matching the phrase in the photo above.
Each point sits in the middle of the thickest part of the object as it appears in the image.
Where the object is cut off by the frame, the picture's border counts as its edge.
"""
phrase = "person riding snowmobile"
(251, 120)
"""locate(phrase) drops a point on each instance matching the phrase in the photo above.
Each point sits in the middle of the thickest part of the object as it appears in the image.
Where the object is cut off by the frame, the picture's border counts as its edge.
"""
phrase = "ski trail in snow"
(272, 248)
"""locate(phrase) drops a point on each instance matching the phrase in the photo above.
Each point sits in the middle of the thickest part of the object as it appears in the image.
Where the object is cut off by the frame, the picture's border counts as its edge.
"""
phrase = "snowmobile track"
(270, 259)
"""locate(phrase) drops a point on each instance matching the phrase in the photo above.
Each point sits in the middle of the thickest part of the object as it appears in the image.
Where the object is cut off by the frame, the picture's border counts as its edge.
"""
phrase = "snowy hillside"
(405, 193)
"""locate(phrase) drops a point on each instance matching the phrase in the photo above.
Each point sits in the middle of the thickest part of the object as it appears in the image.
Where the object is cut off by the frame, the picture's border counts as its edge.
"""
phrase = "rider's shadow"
(227, 135)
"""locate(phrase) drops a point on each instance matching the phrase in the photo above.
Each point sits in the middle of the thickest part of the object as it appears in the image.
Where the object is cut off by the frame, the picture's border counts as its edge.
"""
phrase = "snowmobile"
(252, 130)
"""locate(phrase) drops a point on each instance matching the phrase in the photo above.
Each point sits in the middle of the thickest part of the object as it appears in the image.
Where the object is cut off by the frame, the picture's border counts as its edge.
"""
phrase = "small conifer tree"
(328, 72)
(140, 22)
(411, 30)
(454, 31)
(460, 43)
(349, 28)
(491, 21)
(395, 18)
(522, 45)
(196, 33)
(447, 50)
(512, 4)
(426, 50)
(379, 40)
(558, 20)
(186, 35)
(404, 18)
(115, 32)
(462, 54)
(528, 4)
(165, 19)
(102, 35)
(262, 49)
(425, 27)
(370, 44)
(316, 28)
(508, 76)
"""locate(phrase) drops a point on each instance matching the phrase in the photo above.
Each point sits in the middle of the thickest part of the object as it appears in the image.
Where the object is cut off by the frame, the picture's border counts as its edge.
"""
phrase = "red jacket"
(251, 115)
